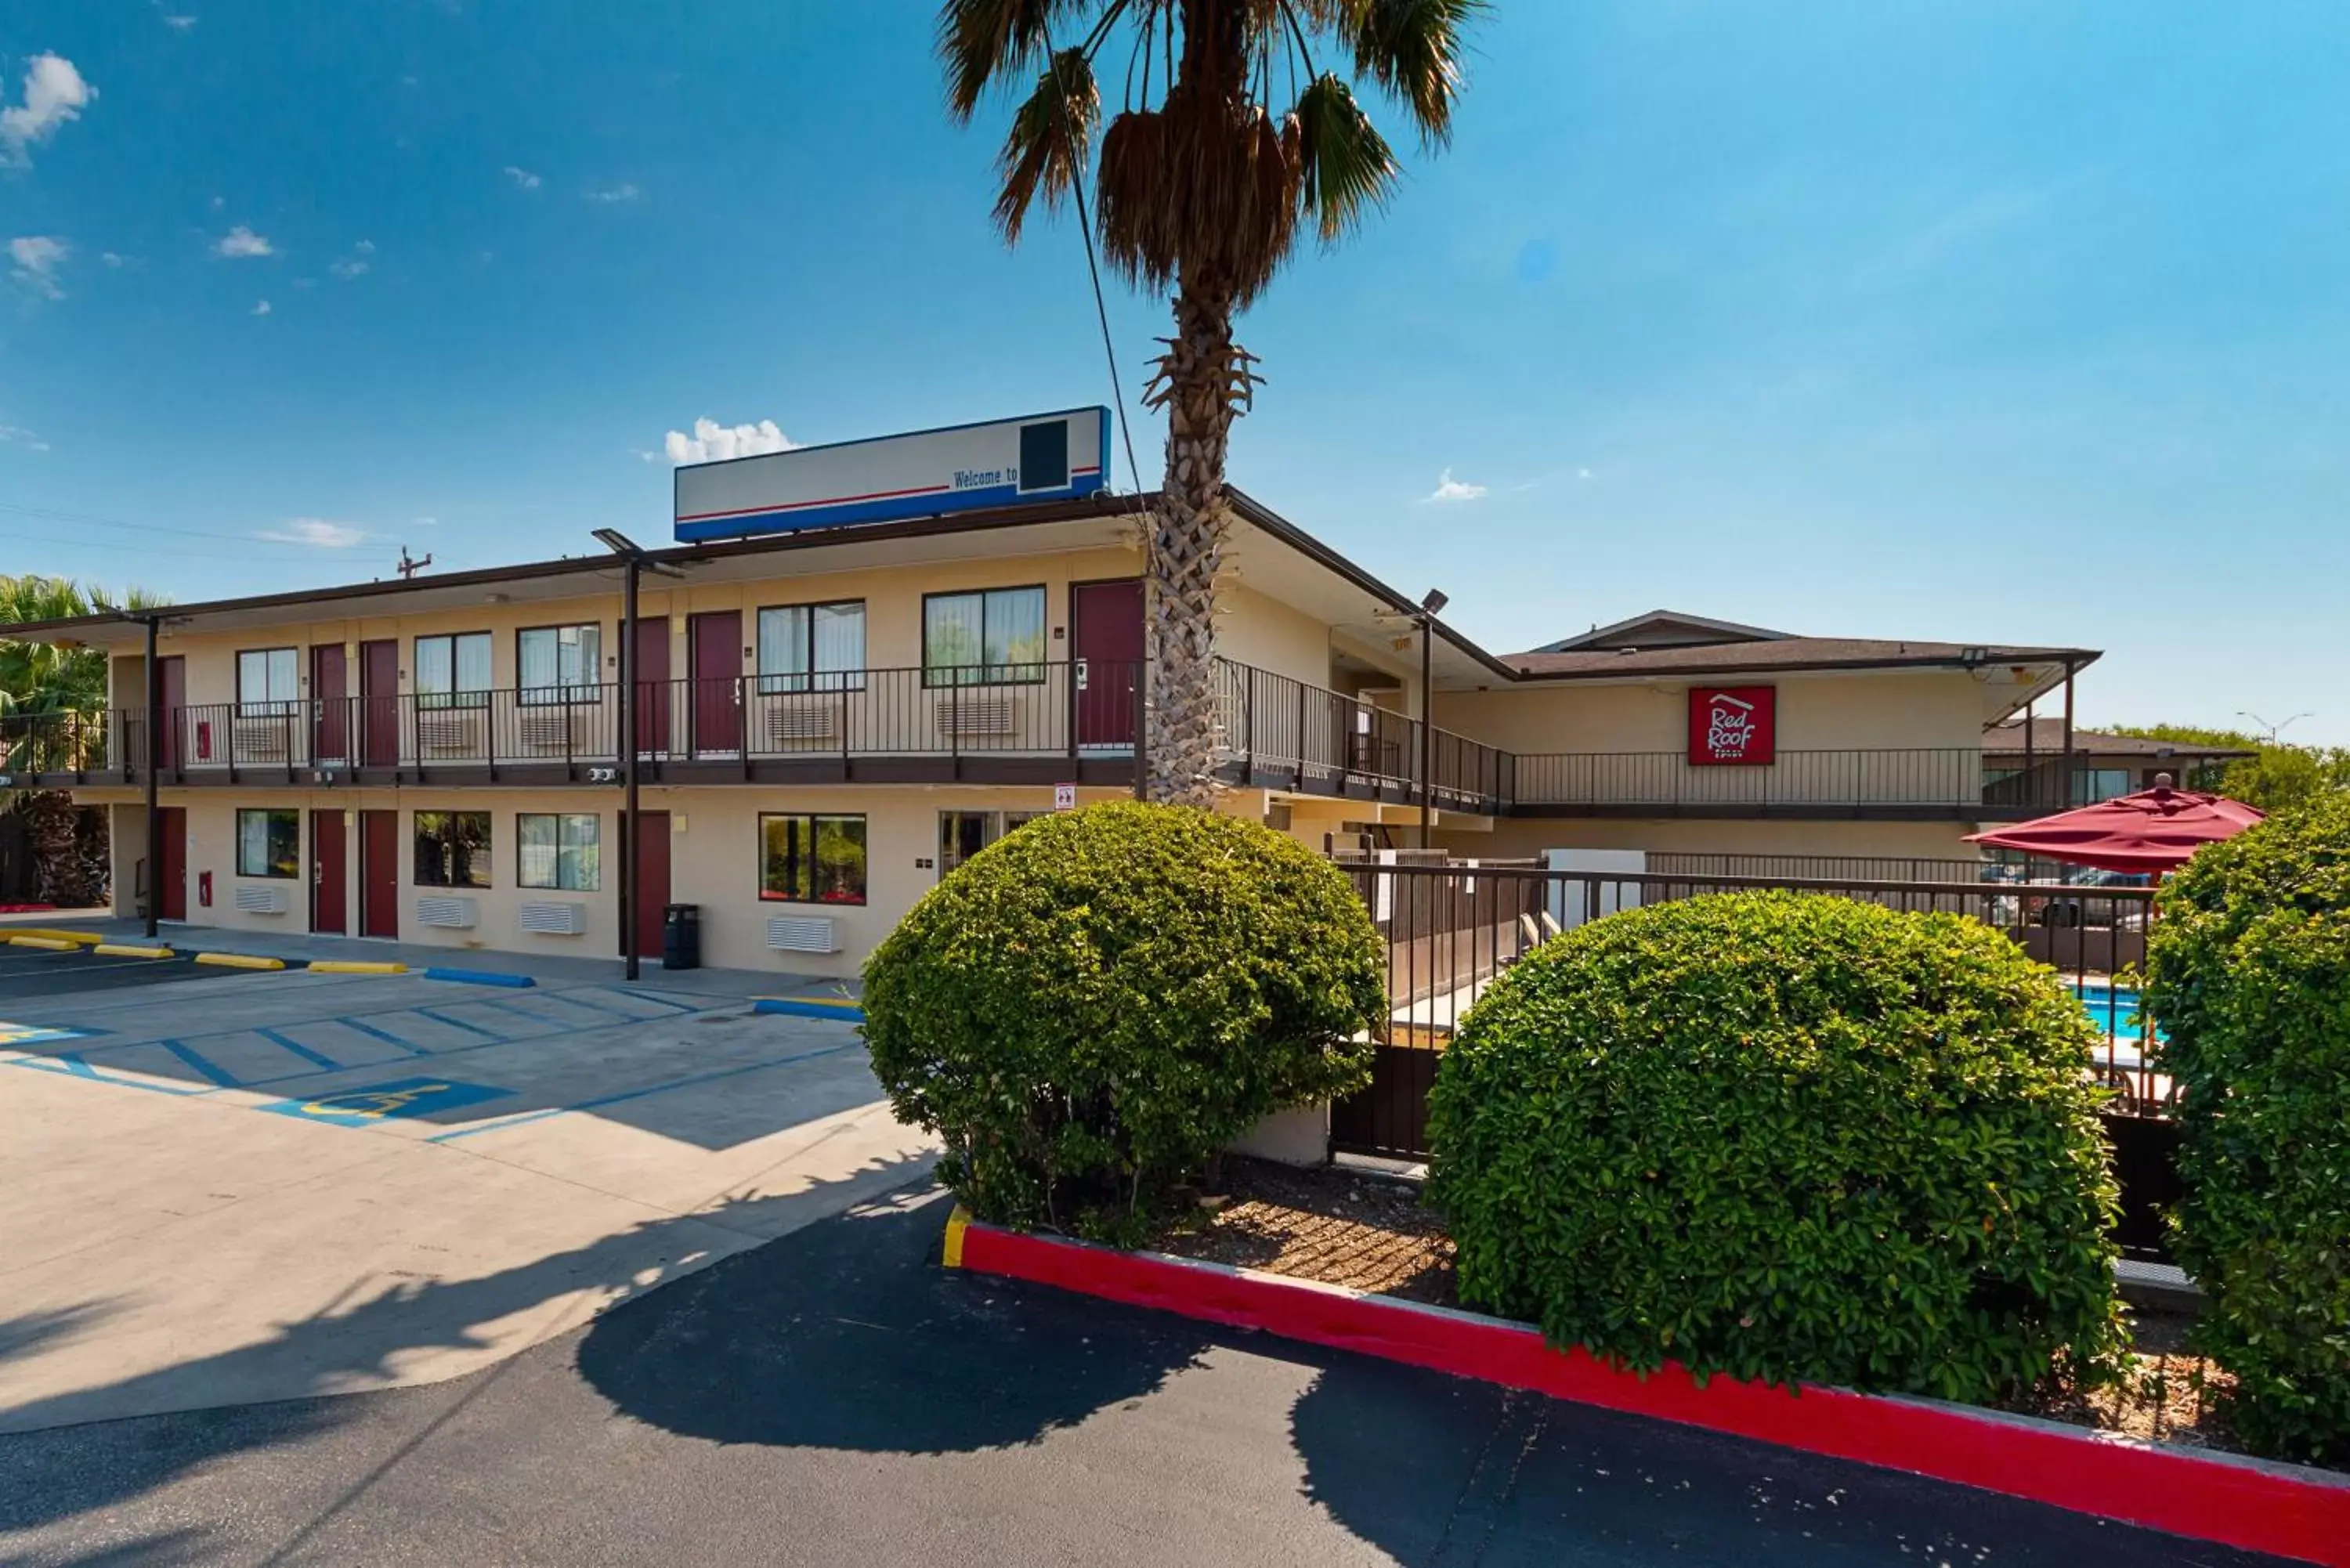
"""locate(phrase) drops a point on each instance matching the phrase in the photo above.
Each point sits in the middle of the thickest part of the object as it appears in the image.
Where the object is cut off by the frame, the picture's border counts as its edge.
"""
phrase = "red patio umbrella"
(2152, 832)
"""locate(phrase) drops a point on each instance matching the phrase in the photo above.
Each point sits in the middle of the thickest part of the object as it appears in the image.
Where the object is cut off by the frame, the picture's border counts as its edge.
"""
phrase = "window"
(983, 638)
(269, 844)
(559, 664)
(2091, 785)
(560, 850)
(812, 648)
(812, 859)
(268, 682)
(452, 849)
(963, 834)
(453, 671)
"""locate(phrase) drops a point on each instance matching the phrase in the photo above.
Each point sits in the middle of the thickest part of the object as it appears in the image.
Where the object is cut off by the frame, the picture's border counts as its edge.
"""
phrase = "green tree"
(2277, 777)
(1204, 186)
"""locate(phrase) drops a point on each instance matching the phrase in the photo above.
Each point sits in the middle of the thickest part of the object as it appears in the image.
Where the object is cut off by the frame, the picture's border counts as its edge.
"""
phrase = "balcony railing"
(1915, 781)
(1276, 731)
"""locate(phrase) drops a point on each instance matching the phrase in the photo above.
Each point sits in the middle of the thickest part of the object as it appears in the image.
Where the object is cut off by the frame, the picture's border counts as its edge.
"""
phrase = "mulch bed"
(1371, 1232)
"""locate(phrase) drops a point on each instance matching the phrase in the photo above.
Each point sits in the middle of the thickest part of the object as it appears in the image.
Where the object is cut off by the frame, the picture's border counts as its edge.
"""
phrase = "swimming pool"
(2112, 1009)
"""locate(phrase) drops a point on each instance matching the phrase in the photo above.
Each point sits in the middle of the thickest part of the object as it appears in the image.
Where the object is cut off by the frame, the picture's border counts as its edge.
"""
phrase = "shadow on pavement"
(357, 1342)
(851, 1337)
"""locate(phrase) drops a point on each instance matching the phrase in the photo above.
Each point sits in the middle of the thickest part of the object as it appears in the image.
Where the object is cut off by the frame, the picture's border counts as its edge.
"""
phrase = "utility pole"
(408, 569)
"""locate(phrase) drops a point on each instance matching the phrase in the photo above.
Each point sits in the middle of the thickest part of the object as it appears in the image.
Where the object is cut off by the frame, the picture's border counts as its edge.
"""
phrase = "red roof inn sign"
(1732, 726)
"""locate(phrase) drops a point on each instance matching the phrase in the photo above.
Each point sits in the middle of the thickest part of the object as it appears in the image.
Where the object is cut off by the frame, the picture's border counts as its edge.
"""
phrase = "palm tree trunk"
(52, 827)
(1201, 378)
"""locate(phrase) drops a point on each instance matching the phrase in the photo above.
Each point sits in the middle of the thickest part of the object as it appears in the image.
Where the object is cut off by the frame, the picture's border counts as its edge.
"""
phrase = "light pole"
(2273, 729)
(1431, 603)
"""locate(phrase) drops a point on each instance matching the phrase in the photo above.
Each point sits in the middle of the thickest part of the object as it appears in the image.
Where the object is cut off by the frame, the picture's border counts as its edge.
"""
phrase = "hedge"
(1090, 1008)
(1785, 1137)
(2248, 970)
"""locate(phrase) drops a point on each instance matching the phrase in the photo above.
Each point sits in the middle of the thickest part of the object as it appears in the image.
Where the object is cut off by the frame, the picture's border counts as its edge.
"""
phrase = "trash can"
(681, 936)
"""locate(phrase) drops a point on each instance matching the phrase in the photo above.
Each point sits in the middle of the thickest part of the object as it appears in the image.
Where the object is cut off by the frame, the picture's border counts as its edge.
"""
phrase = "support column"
(2070, 777)
(154, 765)
(1427, 730)
(629, 830)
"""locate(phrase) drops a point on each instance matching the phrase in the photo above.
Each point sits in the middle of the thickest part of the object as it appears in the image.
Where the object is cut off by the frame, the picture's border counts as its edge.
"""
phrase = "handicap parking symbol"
(399, 1100)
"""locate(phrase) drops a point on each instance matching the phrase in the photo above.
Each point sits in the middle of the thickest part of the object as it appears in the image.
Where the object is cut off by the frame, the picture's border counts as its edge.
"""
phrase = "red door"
(714, 642)
(173, 882)
(171, 692)
(652, 880)
(378, 874)
(652, 685)
(1106, 642)
(329, 884)
(330, 722)
(380, 703)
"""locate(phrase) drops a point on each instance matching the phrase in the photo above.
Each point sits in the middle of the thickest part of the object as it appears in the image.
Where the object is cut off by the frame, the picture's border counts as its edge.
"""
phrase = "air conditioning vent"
(450, 914)
(966, 713)
(253, 900)
(554, 920)
(804, 934)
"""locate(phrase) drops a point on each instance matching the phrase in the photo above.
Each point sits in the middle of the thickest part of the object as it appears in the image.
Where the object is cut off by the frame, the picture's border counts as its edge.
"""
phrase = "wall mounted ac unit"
(804, 934)
(450, 914)
(254, 901)
(553, 920)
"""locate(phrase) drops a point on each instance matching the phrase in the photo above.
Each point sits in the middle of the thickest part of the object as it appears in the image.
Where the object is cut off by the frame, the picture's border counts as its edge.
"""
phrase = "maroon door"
(330, 723)
(380, 703)
(652, 880)
(329, 884)
(652, 685)
(378, 874)
(171, 692)
(1106, 642)
(173, 882)
(714, 642)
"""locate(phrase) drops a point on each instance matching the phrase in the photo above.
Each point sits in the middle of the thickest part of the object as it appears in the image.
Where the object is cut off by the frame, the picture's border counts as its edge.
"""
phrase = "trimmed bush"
(1091, 1007)
(2248, 970)
(1786, 1138)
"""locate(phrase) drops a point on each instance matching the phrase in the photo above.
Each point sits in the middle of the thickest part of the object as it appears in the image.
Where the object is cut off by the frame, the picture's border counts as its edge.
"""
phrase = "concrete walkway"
(263, 1185)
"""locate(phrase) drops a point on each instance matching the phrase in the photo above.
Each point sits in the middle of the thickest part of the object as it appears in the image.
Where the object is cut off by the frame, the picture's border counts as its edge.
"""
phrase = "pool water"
(2111, 1010)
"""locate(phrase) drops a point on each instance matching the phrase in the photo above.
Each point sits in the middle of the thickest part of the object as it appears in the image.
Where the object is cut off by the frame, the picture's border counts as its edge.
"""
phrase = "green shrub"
(1788, 1138)
(1091, 1007)
(2248, 970)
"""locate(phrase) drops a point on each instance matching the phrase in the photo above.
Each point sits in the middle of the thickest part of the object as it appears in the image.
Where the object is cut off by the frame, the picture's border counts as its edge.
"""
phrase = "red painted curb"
(2262, 1507)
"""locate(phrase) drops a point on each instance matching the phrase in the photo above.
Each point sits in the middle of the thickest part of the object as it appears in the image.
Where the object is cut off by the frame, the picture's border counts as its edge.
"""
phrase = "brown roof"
(1787, 653)
(2048, 739)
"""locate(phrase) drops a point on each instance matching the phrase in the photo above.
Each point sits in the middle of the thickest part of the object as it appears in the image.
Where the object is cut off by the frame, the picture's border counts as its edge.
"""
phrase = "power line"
(55, 543)
(51, 515)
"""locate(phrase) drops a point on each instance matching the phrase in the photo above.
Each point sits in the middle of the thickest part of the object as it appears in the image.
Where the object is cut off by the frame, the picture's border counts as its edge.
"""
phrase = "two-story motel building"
(863, 663)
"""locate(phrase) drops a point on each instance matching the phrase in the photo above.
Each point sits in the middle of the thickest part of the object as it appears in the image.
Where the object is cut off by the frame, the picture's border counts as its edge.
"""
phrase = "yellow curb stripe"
(355, 966)
(83, 938)
(50, 944)
(129, 950)
(956, 1223)
(240, 961)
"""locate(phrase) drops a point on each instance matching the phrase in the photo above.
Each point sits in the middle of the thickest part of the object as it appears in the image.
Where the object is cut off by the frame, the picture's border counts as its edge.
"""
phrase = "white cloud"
(54, 94)
(1582, 473)
(241, 241)
(37, 258)
(261, 307)
(1450, 489)
(609, 194)
(179, 24)
(524, 178)
(348, 268)
(712, 441)
(425, 521)
(17, 435)
(314, 531)
(113, 259)
(365, 247)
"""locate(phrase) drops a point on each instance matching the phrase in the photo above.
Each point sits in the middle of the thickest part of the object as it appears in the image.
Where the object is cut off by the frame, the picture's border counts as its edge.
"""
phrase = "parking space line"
(577, 1000)
(218, 1074)
(457, 1023)
(72, 1066)
(386, 1035)
(321, 1060)
(627, 1094)
(657, 1000)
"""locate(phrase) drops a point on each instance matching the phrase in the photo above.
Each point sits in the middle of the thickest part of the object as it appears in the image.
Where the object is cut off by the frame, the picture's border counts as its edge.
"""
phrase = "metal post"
(628, 765)
(154, 806)
(2030, 765)
(2069, 764)
(1427, 727)
(1141, 731)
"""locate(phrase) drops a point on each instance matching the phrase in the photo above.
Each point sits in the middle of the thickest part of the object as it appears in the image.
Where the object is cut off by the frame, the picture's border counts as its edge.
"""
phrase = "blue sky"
(1978, 320)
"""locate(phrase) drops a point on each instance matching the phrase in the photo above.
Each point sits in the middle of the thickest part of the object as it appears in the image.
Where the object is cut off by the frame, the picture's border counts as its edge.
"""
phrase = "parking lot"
(228, 1185)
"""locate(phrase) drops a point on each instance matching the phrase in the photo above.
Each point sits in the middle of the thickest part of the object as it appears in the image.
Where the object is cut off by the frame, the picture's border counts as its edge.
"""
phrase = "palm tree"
(1205, 188)
(53, 708)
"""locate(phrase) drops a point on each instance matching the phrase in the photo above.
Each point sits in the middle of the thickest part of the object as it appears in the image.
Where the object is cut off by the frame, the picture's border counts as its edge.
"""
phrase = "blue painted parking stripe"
(602, 1100)
(386, 1035)
(657, 1000)
(606, 1008)
(80, 1069)
(216, 1072)
(315, 1058)
(456, 1022)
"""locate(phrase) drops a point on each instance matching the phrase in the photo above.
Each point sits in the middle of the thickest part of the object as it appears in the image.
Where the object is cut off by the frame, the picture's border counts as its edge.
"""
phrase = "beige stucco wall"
(1829, 711)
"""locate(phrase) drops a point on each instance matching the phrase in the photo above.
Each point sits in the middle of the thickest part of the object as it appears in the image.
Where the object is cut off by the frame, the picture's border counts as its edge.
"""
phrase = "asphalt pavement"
(835, 1397)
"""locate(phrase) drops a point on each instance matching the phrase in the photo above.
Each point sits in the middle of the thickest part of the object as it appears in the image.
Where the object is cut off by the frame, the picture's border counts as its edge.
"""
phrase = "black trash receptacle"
(681, 937)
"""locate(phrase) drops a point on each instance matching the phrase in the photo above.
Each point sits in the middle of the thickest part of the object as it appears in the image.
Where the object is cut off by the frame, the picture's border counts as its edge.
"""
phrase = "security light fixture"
(620, 544)
(1434, 601)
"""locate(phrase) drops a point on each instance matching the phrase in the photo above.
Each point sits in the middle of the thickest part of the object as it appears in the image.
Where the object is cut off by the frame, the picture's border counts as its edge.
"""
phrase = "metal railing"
(1280, 731)
(67, 744)
(1903, 776)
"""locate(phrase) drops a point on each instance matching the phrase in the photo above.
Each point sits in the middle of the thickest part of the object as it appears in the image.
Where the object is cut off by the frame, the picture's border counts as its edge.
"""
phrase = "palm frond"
(987, 41)
(1412, 50)
(1045, 149)
(1347, 167)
